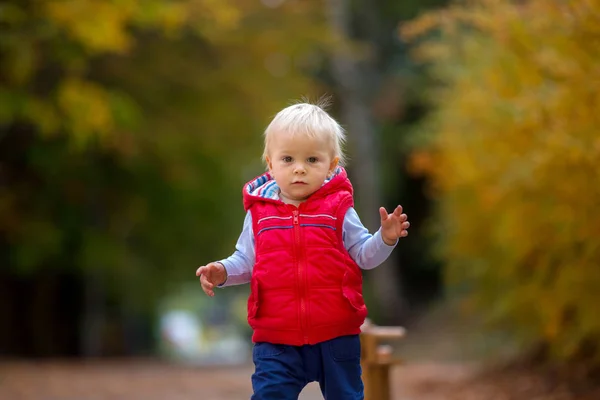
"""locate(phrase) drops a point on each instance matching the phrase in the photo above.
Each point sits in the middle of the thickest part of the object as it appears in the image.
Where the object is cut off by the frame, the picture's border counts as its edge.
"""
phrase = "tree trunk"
(93, 321)
(363, 136)
(94, 316)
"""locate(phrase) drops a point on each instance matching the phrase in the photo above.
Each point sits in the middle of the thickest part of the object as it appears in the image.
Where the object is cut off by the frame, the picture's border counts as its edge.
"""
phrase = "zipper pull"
(295, 217)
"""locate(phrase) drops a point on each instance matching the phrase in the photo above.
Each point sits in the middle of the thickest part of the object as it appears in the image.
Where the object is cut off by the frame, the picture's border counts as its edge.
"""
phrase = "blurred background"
(127, 129)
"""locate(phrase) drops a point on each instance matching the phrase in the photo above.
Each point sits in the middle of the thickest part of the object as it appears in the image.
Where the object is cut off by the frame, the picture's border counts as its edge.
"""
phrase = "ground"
(147, 379)
(444, 359)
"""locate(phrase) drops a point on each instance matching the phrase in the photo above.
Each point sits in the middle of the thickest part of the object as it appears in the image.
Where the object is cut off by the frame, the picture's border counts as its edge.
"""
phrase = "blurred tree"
(116, 127)
(370, 72)
(513, 153)
(362, 131)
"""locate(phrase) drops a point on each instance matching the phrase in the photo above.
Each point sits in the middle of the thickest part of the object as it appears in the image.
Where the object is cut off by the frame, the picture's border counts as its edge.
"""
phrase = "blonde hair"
(311, 120)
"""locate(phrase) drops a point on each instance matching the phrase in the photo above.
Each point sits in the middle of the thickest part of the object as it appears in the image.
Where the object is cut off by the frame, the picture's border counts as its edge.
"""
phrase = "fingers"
(206, 269)
(383, 214)
(397, 221)
(398, 211)
(207, 287)
(206, 283)
(404, 228)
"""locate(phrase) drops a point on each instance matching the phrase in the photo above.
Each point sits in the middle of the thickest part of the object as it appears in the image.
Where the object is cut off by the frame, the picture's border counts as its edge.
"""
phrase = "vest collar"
(264, 187)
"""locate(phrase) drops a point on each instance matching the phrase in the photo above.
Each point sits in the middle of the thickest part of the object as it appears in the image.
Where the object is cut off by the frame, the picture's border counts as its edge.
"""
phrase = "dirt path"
(143, 379)
(149, 380)
(438, 353)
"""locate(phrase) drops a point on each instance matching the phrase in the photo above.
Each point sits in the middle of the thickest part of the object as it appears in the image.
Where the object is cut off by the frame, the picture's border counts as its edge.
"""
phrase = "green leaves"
(128, 127)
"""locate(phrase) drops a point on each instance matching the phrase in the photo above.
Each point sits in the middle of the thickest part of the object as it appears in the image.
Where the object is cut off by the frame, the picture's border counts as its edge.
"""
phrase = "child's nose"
(299, 169)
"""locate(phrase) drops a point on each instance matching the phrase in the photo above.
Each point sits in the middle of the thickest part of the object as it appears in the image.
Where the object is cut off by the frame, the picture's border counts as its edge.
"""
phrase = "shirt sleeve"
(239, 265)
(367, 250)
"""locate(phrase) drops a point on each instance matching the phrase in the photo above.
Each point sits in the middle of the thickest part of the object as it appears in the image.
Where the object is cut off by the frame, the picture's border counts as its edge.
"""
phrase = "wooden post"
(377, 360)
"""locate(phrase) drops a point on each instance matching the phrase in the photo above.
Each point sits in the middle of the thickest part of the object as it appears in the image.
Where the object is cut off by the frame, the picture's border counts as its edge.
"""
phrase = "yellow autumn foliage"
(59, 40)
(513, 155)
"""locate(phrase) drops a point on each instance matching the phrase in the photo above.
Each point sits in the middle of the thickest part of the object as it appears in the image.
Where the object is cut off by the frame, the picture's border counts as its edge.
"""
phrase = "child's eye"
(312, 160)
(286, 159)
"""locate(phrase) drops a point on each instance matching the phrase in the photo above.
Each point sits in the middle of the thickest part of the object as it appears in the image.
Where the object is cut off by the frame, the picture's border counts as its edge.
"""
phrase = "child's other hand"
(211, 275)
(393, 226)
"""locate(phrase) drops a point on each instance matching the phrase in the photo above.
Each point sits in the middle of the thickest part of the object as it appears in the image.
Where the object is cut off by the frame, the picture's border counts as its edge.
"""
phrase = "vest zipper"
(299, 250)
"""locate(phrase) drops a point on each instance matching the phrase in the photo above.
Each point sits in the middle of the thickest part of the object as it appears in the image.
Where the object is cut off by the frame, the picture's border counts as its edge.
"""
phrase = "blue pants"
(283, 371)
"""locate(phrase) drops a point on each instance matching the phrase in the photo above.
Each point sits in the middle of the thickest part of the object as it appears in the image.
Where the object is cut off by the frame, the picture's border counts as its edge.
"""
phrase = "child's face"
(299, 165)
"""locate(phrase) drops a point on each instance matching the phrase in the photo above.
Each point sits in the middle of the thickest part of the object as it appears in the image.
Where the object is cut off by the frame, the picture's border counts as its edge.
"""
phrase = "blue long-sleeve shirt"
(367, 250)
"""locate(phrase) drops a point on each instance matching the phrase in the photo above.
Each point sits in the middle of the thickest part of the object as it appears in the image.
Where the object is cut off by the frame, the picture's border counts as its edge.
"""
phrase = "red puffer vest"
(305, 287)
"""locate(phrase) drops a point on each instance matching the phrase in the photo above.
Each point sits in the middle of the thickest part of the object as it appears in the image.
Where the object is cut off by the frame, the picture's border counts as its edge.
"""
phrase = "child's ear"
(269, 164)
(333, 165)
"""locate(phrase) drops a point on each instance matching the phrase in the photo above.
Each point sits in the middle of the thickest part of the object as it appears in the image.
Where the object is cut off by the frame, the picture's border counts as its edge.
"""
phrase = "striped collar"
(265, 186)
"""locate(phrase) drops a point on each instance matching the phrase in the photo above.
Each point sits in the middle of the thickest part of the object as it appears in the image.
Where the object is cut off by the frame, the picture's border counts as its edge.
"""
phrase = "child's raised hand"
(211, 275)
(393, 226)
